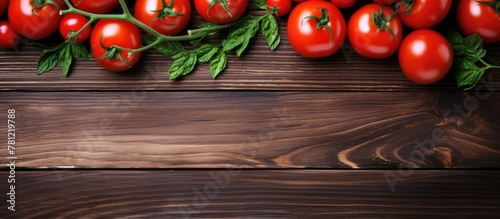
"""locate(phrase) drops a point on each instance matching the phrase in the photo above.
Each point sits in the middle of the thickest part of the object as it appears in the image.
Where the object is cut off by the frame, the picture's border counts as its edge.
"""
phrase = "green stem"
(488, 65)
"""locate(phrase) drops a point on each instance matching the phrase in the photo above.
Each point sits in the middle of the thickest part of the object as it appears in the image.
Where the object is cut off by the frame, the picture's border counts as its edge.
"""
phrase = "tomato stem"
(322, 21)
(381, 22)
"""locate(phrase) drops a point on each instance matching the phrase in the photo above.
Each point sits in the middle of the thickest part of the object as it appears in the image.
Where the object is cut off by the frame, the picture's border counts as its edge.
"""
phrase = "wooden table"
(275, 136)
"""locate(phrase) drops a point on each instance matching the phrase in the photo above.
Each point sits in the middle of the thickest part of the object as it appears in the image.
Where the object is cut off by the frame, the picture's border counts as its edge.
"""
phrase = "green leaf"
(65, 58)
(169, 48)
(240, 36)
(204, 30)
(260, 4)
(47, 61)
(218, 64)
(206, 52)
(468, 74)
(183, 64)
(80, 51)
(270, 29)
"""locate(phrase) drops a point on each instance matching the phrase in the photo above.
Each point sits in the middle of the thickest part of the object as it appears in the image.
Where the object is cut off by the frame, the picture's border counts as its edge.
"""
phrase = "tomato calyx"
(408, 5)
(111, 53)
(381, 22)
(274, 10)
(321, 22)
(40, 3)
(495, 5)
(165, 11)
(223, 4)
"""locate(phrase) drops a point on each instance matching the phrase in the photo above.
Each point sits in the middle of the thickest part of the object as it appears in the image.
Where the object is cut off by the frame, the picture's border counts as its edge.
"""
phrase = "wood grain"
(255, 194)
(255, 129)
(258, 69)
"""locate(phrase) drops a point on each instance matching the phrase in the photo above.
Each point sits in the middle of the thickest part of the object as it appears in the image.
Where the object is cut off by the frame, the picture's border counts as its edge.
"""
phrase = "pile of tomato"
(315, 28)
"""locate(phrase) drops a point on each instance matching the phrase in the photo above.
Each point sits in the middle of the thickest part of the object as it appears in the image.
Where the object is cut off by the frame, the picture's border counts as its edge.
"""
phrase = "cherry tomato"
(217, 14)
(343, 3)
(424, 13)
(119, 33)
(384, 2)
(95, 6)
(34, 23)
(474, 17)
(3, 6)
(168, 19)
(371, 39)
(283, 6)
(74, 23)
(309, 32)
(8, 37)
(425, 56)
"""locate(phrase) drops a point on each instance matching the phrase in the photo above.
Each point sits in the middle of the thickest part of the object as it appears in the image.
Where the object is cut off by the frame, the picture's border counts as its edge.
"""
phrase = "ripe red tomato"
(94, 6)
(284, 6)
(313, 39)
(168, 19)
(424, 13)
(3, 6)
(474, 17)
(8, 37)
(34, 23)
(384, 2)
(425, 56)
(74, 22)
(119, 33)
(372, 38)
(217, 14)
(343, 3)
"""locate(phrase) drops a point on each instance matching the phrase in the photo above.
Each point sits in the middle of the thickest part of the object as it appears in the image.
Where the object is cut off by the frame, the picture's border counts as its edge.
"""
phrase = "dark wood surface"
(304, 138)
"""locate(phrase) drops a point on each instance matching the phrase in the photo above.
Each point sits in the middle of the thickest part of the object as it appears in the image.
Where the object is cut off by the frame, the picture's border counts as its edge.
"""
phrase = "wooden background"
(275, 136)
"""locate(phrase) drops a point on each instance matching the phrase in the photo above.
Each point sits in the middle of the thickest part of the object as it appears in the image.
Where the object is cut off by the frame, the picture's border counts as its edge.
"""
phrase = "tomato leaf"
(260, 4)
(65, 58)
(270, 29)
(240, 36)
(204, 30)
(183, 64)
(47, 61)
(168, 48)
(218, 64)
(80, 51)
(468, 74)
(206, 52)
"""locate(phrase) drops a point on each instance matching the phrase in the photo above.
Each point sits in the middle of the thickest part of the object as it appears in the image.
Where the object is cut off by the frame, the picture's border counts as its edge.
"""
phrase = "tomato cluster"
(315, 28)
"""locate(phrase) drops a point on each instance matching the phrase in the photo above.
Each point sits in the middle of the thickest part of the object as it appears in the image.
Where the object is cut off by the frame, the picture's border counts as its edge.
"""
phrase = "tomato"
(283, 6)
(371, 39)
(95, 6)
(3, 6)
(119, 33)
(424, 13)
(168, 17)
(474, 17)
(8, 37)
(425, 56)
(74, 23)
(217, 14)
(34, 23)
(308, 29)
(384, 2)
(343, 3)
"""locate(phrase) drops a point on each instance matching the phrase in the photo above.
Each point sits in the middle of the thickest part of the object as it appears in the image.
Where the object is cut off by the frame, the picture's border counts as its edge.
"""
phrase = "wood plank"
(254, 129)
(259, 69)
(254, 194)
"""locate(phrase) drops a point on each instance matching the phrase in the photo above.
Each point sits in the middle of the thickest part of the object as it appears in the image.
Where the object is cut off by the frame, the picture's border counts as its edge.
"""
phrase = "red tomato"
(384, 2)
(343, 3)
(424, 13)
(34, 23)
(283, 6)
(8, 37)
(74, 23)
(314, 39)
(425, 56)
(3, 6)
(474, 17)
(95, 6)
(119, 33)
(217, 14)
(373, 40)
(168, 19)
